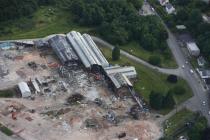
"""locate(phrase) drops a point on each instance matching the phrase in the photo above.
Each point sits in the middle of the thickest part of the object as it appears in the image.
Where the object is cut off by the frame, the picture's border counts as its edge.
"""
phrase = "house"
(169, 8)
(201, 61)
(193, 49)
(163, 2)
(24, 89)
(184, 38)
(204, 74)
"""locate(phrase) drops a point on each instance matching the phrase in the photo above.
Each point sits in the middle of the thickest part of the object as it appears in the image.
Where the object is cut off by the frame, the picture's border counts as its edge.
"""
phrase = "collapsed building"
(76, 47)
(62, 49)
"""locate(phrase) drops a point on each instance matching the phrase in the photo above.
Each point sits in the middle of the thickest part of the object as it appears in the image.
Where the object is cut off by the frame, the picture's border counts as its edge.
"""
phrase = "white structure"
(86, 49)
(35, 86)
(120, 75)
(24, 89)
(205, 74)
(169, 8)
(193, 49)
(201, 61)
(163, 2)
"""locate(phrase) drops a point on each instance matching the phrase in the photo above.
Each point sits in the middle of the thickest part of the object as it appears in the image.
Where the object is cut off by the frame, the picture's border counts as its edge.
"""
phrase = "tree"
(156, 100)
(155, 60)
(115, 53)
(169, 101)
(195, 133)
(172, 78)
(206, 134)
(136, 3)
(178, 90)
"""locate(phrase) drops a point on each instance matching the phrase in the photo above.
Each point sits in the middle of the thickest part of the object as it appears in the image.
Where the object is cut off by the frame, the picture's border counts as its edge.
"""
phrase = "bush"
(155, 60)
(169, 101)
(116, 54)
(156, 100)
(172, 79)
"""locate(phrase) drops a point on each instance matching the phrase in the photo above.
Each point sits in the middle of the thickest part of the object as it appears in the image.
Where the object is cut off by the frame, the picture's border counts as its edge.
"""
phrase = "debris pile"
(75, 98)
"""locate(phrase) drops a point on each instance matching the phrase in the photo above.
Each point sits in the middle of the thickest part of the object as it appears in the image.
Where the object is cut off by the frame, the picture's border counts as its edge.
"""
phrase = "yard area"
(47, 20)
(149, 79)
(178, 122)
(134, 49)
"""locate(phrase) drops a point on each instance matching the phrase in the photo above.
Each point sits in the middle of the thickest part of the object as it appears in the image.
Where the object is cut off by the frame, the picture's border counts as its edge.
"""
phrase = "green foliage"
(116, 54)
(11, 9)
(169, 101)
(156, 100)
(118, 22)
(7, 93)
(155, 60)
(195, 133)
(5, 130)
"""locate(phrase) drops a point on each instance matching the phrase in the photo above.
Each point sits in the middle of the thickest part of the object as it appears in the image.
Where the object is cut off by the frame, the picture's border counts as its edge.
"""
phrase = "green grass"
(149, 79)
(7, 93)
(47, 20)
(177, 121)
(135, 49)
(5, 130)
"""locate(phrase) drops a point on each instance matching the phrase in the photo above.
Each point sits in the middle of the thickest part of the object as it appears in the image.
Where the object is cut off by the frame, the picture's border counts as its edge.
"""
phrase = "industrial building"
(24, 89)
(87, 50)
(193, 49)
(62, 49)
(119, 78)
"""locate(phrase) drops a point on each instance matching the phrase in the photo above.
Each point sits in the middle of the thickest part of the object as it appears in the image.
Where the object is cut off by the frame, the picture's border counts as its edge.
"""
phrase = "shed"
(193, 49)
(24, 89)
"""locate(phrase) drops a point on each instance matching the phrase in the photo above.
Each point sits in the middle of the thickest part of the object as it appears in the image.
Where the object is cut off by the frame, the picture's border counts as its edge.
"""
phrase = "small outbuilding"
(169, 8)
(24, 89)
(193, 49)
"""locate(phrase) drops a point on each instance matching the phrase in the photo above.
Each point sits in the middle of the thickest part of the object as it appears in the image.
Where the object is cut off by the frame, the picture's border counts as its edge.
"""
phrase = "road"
(200, 94)
(136, 59)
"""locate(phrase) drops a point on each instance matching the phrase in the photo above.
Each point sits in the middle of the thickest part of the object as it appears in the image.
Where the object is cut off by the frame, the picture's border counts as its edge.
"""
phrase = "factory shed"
(129, 72)
(118, 78)
(24, 89)
(87, 50)
(62, 49)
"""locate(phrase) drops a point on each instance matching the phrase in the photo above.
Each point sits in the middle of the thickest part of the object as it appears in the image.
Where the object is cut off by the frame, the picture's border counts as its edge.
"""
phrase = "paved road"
(138, 60)
(200, 94)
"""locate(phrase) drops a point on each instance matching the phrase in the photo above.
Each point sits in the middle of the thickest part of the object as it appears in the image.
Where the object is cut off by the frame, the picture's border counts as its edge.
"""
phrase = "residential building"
(169, 8)
(201, 61)
(163, 2)
(24, 89)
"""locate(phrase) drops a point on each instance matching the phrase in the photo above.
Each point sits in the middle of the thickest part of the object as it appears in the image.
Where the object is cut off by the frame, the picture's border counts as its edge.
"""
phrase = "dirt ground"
(49, 115)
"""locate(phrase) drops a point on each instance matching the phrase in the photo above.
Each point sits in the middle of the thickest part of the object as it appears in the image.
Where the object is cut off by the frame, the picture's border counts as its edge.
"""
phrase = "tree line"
(12, 9)
(118, 22)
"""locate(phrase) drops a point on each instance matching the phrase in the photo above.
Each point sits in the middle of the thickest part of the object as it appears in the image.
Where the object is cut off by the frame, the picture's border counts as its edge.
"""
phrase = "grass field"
(46, 21)
(149, 79)
(178, 121)
(5, 130)
(135, 49)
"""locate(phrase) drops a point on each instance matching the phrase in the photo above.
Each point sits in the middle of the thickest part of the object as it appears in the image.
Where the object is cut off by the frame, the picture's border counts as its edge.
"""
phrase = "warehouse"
(24, 89)
(193, 49)
(87, 50)
(62, 49)
(118, 78)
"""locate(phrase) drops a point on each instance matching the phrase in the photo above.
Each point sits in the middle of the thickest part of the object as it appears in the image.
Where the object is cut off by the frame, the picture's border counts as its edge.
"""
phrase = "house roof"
(192, 46)
(169, 6)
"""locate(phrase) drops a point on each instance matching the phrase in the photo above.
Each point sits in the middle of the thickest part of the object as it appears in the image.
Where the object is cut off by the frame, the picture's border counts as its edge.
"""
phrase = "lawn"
(149, 79)
(7, 93)
(47, 20)
(135, 49)
(178, 121)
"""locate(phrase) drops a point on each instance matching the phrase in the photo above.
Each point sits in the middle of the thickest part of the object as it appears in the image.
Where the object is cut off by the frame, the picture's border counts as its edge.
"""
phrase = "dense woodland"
(119, 23)
(11, 9)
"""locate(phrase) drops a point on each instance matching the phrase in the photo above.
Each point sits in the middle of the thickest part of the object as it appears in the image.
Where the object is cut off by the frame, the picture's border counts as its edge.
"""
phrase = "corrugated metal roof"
(86, 49)
(24, 89)
(62, 49)
(96, 50)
